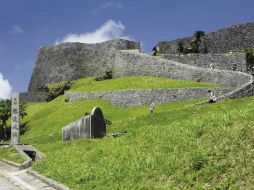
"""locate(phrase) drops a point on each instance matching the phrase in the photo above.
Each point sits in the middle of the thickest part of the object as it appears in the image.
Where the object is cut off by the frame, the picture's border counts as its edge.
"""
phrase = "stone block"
(89, 126)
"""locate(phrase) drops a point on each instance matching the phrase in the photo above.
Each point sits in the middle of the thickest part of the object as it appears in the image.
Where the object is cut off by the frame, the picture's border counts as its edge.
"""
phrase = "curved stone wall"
(132, 98)
(69, 61)
(219, 61)
(131, 63)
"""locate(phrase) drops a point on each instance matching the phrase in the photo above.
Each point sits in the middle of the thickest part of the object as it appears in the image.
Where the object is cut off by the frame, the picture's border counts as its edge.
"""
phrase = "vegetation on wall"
(180, 47)
(196, 45)
(56, 89)
(249, 58)
(108, 75)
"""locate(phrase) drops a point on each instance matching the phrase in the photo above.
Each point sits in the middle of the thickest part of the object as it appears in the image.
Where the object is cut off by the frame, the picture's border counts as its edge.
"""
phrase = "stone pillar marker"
(15, 118)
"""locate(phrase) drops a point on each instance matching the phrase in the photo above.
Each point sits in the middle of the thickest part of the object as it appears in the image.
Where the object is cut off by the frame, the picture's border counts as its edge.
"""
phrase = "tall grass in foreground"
(203, 147)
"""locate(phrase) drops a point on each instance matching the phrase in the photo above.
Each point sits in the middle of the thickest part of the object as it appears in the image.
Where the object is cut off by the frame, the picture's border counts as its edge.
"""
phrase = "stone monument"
(89, 126)
(98, 123)
(15, 119)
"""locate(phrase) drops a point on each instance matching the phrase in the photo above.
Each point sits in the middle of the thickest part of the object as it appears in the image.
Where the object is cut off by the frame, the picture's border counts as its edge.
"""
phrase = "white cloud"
(16, 29)
(108, 31)
(5, 88)
(107, 5)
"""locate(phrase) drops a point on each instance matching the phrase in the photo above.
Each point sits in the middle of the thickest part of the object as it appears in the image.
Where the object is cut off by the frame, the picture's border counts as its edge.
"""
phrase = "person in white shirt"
(152, 107)
(212, 97)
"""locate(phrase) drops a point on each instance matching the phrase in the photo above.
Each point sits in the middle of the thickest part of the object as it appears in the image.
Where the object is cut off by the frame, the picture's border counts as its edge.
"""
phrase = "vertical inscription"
(15, 118)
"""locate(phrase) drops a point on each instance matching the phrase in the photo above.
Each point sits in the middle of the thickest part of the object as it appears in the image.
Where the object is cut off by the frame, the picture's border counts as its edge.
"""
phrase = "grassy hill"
(178, 147)
(138, 82)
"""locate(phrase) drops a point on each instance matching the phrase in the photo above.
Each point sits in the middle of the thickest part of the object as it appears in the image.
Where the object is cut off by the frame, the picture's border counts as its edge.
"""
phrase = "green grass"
(144, 82)
(11, 154)
(209, 146)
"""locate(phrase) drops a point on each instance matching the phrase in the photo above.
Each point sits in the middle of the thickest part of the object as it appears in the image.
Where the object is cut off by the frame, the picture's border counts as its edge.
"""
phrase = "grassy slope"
(178, 147)
(11, 154)
(145, 82)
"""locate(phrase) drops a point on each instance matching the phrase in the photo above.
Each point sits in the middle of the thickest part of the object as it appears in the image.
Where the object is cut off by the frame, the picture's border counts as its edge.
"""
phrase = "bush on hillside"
(108, 75)
(56, 89)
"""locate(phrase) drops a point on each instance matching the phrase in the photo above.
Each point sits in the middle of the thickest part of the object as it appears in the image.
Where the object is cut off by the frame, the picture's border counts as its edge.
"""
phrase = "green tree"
(5, 114)
(180, 47)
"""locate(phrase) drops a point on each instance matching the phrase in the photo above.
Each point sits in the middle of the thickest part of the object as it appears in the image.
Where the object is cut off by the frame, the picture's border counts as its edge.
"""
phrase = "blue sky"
(28, 24)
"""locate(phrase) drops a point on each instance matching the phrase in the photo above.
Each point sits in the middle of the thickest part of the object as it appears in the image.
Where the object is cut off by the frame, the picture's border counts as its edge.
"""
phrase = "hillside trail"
(13, 179)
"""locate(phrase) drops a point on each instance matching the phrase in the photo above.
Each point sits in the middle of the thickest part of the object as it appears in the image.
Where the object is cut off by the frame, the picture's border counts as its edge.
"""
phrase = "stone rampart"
(33, 96)
(233, 38)
(132, 98)
(219, 61)
(131, 63)
(70, 61)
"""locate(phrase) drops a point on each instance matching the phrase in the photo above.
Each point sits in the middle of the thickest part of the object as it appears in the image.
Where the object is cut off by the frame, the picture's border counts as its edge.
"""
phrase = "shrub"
(57, 89)
(180, 47)
(249, 58)
(108, 75)
(197, 44)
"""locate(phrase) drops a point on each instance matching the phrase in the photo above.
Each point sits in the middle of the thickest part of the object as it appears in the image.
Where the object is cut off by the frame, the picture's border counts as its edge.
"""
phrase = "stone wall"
(233, 38)
(70, 61)
(130, 63)
(132, 98)
(32, 96)
(219, 61)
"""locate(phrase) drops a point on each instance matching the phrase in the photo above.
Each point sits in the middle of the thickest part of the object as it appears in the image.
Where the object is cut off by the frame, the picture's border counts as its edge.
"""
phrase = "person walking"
(152, 107)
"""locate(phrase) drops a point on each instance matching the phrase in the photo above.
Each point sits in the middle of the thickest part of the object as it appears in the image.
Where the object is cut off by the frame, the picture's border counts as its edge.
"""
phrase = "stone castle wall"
(236, 37)
(219, 61)
(131, 63)
(70, 61)
(132, 98)
(32, 96)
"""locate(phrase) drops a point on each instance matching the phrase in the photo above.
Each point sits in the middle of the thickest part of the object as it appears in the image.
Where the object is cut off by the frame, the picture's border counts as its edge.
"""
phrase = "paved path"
(14, 179)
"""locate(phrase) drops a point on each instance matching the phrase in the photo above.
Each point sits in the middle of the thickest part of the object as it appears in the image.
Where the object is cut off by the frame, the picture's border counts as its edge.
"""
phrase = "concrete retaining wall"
(78, 129)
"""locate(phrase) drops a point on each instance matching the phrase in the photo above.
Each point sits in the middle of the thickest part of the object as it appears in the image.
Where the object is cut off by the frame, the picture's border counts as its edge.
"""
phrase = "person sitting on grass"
(212, 97)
